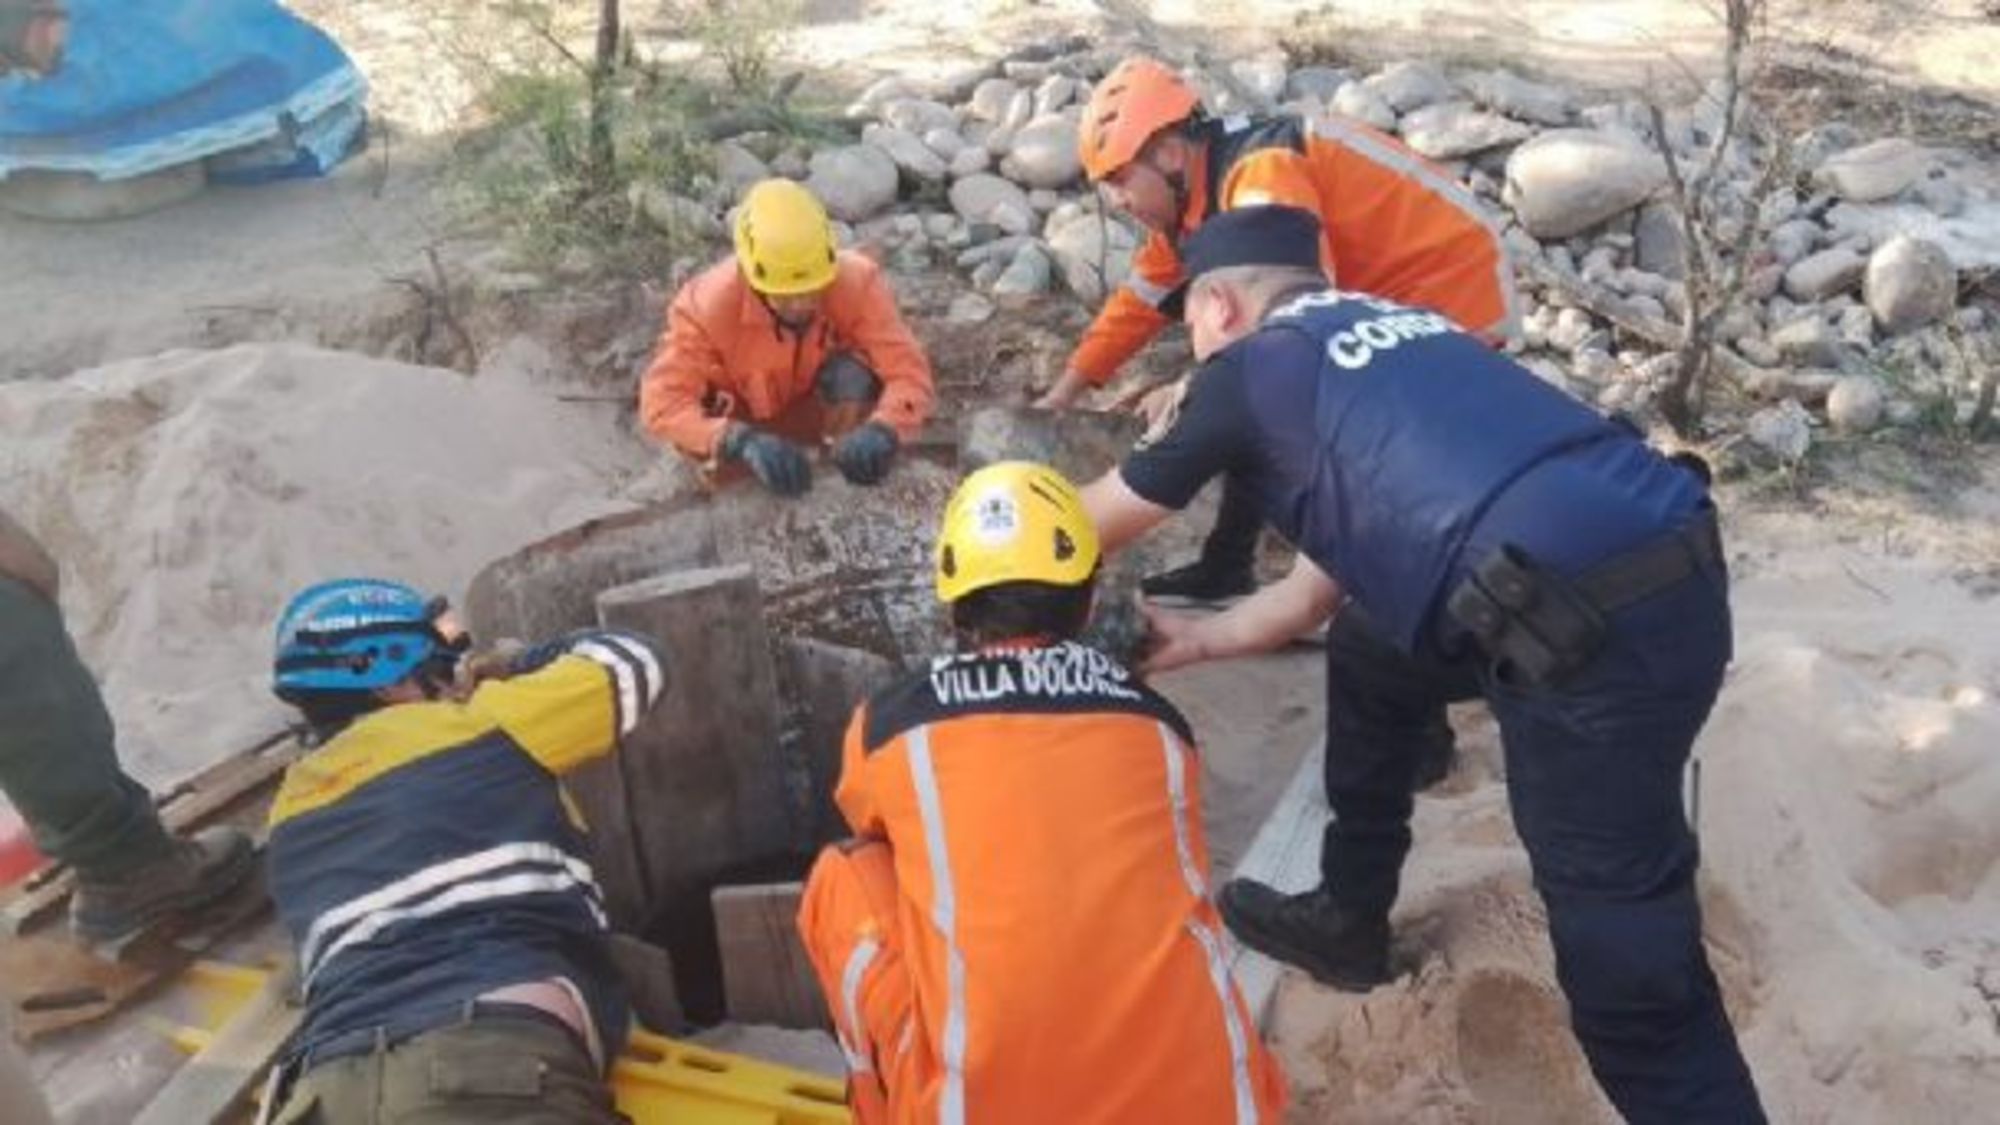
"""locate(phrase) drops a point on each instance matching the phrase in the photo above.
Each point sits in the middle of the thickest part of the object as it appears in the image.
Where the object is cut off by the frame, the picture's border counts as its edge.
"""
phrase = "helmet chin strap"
(783, 323)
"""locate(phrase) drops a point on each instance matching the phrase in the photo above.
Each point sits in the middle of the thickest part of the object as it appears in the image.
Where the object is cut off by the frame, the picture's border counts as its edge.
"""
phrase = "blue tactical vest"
(1420, 427)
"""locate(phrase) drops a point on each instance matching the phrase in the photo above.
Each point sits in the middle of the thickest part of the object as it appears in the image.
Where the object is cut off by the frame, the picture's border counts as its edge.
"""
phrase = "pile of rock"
(1855, 282)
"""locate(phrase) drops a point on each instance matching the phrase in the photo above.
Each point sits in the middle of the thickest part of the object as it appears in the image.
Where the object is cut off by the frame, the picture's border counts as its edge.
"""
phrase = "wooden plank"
(649, 980)
(211, 1089)
(1285, 855)
(704, 773)
(191, 804)
(765, 972)
(822, 683)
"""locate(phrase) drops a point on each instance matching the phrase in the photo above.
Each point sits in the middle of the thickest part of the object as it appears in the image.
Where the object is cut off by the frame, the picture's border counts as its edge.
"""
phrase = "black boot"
(1200, 583)
(109, 909)
(1346, 949)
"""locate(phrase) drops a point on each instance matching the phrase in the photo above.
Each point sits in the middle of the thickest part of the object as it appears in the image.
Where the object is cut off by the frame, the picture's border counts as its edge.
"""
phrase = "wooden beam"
(704, 775)
(765, 971)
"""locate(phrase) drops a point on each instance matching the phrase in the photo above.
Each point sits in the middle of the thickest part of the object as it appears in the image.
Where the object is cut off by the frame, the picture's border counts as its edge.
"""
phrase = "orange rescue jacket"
(1393, 225)
(1044, 812)
(720, 341)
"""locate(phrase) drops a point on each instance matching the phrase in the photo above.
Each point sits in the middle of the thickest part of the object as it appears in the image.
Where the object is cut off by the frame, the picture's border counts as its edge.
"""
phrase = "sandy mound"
(1850, 775)
(189, 494)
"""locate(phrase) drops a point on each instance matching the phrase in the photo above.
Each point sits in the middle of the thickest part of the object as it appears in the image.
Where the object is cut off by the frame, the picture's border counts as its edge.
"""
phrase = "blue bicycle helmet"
(353, 635)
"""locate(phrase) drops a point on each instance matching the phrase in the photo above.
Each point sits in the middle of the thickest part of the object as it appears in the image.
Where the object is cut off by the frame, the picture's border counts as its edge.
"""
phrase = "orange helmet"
(1137, 99)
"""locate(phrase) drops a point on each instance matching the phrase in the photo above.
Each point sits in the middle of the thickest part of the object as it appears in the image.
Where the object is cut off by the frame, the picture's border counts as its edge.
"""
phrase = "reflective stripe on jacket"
(1395, 226)
(721, 340)
(1043, 809)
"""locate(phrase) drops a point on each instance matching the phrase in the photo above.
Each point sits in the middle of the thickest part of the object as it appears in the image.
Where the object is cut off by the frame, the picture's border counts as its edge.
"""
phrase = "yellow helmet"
(1017, 521)
(784, 242)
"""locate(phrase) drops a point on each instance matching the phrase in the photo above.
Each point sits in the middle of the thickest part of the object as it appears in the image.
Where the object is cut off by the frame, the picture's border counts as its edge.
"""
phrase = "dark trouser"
(1232, 542)
(58, 763)
(845, 391)
(1385, 715)
(1594, 780)
(485, 1071)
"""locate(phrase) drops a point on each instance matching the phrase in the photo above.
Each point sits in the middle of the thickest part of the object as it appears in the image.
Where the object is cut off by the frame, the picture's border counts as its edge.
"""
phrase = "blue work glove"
(864, 452)
(781, 465)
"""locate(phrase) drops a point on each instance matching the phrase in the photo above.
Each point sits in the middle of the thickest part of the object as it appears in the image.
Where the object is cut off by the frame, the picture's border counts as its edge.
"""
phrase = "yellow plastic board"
(657, 1081)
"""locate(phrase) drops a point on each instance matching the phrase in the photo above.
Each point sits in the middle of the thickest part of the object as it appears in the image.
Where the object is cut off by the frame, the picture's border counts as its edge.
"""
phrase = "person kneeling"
(789, 342)
(451, 938)
(1022, 930)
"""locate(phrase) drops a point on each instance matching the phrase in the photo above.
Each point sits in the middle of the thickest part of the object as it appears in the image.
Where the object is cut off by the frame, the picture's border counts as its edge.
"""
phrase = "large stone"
(880, 93)
(1808, 342)
(1569, 180)
(1874, 171)
(1044, 153)
(1359, 101)
(1093, 251)
(1056, 93)
(1263, 76)
(1315, 84)
(1515, 96)
(739, 168)
(910, 154)
(675, 214)
(1793, 239)
(945, 142)
(991, 99)
(854, 181)
(1909, 283)
(1784, 429)
(985, 198)
(1660, 241)
(1819, 276)
(918, 116)
(1025, 278)
(1411, 85)
(971, 160)
(1855, 404)
(1449, 130)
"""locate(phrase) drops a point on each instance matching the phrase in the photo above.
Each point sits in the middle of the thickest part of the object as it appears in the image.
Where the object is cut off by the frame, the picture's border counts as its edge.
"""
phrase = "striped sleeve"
(579, 696)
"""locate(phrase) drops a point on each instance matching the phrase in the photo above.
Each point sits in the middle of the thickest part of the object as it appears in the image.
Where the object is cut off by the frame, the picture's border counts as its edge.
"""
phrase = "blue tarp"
(149, 84)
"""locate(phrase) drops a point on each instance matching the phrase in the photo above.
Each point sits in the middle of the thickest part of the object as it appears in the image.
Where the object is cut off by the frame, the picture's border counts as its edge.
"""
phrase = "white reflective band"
(851, 973)
(425, 880)
(1211, 948)
(1368, 145)
(652, 678)
(1170, 747)
(1239, 1045)
(1251, 199)
(1147, 291)
(624, 678)
(944, 909)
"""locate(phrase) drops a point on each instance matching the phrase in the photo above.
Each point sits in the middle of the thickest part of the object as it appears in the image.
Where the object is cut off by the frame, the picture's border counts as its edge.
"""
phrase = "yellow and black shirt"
(428, 854)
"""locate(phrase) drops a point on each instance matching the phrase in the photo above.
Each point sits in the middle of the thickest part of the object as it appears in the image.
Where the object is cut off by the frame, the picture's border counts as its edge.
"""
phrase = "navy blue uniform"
(1398, 453)
(428, 854)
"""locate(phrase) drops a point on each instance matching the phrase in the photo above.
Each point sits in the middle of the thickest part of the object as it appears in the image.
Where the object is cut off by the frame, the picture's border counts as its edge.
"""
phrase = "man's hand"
(782, 466)
(496, 663)
(1174, 639)
(1065, 392)
(863, 453)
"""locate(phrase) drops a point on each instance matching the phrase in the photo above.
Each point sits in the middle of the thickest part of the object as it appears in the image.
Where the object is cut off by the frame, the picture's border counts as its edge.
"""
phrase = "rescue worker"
(1509, 544)
(788, 343)
(1022, 930)
(451, 939)
(1392, 224)
(59, 767)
